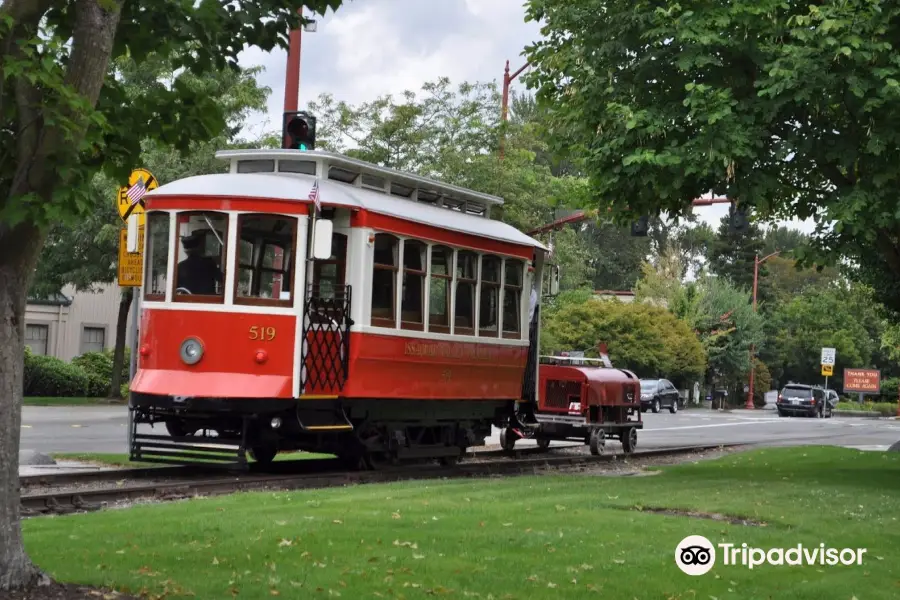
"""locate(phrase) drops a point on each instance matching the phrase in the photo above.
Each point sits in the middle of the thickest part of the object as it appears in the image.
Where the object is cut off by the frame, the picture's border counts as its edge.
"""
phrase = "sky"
(368, 48)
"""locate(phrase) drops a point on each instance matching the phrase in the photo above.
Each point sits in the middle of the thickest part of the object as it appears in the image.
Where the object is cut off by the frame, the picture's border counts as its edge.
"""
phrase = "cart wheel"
(597, 442)
(507, 440)
(629, 440)
(543, 443)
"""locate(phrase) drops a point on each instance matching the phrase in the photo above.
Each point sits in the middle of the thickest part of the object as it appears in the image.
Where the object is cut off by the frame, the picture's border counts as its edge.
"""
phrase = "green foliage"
(49, 376)
(885, 409)
(100, 364)
(645, 339)
(844, 318)
(674, 100)
(732, 254)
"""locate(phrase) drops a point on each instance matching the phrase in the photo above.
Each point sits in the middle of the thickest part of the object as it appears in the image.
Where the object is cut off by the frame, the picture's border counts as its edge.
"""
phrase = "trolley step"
(314, 421)
(165, 449)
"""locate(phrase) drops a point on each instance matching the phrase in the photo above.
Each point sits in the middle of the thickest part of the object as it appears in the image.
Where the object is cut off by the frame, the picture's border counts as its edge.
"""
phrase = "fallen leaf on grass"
(215, 560)
(418, 556)
(395, 515)
(285, 542)
(338, 522)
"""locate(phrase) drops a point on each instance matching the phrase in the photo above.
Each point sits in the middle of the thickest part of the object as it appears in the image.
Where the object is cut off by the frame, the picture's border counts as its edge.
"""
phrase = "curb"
(859, 414)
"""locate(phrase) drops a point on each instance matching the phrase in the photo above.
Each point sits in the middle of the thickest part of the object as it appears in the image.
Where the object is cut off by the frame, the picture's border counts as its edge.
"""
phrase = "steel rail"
(65, 501)
(195, 470)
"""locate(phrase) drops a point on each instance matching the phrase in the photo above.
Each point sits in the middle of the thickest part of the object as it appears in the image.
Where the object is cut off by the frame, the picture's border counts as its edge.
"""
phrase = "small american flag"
(314, 195)
(137, 191)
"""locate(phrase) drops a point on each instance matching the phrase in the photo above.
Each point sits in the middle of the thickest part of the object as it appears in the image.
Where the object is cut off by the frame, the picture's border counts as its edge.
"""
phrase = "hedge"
(49, 376)
(101, 364)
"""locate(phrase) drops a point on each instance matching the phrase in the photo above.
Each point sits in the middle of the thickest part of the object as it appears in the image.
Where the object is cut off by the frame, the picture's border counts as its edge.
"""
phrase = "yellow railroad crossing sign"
(131, 264)
(828, 370)
(130, 198)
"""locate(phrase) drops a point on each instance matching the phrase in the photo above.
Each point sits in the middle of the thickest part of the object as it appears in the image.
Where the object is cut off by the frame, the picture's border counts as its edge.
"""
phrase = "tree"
(787, 107)
(64, 116)
(646, 339)
(733, 253)
(85, 254)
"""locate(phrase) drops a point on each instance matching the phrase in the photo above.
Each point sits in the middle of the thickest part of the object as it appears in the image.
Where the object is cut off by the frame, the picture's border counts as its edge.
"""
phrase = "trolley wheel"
(507, 439)
(178, 428)
(264, 455)
(629, 440)
(449, 461)
(597, 442)
(543, 443)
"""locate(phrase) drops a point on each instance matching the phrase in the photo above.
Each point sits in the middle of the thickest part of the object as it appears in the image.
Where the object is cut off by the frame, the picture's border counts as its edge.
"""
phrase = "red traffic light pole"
(756, 262)
(504, 110)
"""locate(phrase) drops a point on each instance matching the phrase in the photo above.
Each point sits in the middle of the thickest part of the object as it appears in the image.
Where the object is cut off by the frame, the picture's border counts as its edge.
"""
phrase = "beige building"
(74, 322)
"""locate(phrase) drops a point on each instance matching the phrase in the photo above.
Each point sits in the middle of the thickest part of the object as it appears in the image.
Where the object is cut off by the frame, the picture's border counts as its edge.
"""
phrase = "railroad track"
(284, 467)
(87, 499)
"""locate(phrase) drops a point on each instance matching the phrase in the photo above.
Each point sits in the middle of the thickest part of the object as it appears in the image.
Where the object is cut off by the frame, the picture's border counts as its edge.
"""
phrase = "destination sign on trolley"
(131, 264)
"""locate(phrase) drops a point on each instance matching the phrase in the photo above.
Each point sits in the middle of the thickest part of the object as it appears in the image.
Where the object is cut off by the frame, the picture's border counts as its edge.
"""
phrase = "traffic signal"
(641, 227)
(299, 131)
(738, 220)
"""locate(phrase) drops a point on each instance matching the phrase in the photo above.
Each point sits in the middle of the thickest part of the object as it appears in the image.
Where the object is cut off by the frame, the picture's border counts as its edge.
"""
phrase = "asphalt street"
(104, 429)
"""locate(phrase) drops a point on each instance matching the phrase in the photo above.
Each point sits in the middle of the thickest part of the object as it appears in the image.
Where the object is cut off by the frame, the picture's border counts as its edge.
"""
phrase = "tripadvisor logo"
(696, 555)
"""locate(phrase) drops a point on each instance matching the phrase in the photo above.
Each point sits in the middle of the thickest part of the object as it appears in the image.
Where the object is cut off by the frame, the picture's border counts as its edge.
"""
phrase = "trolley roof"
(293, 186)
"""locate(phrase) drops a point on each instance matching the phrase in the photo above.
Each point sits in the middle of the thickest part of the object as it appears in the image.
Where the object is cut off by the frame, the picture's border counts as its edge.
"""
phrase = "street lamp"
(756, 262)
(507, 79)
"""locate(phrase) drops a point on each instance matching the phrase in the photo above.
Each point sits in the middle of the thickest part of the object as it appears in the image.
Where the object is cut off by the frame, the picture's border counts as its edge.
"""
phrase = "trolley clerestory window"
(265, 260)
(200, 257)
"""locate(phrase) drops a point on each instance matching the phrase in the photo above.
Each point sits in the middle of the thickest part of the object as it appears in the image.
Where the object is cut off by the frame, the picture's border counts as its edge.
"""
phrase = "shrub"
(49, 376)
(124, 390)
(101, 363)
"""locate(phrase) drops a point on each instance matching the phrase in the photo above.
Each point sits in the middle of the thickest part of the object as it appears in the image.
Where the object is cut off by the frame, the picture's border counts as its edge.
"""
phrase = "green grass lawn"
(572, 536)
(54, 401)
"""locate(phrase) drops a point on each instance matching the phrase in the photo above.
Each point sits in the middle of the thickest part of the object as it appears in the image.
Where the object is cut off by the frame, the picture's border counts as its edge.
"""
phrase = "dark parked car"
(806, 400)
(657, 394)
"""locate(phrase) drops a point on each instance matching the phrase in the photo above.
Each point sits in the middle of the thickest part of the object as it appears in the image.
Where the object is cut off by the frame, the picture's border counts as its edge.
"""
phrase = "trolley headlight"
(191, 351)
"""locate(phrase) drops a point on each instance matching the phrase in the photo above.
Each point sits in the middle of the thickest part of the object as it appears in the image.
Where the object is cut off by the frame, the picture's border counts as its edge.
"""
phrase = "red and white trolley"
(307, 300)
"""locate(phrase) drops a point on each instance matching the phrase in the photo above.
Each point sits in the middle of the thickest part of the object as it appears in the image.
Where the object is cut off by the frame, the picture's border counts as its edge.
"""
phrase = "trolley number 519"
(266, 334)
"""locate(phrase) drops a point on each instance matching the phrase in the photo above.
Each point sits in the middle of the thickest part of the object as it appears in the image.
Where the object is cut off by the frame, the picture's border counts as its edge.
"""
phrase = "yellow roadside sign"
(130, 198)
(131, 264)
(828, 370)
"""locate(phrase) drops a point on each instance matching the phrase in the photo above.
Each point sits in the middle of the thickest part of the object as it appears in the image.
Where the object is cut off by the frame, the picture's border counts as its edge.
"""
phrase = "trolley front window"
(157, 256)
(265, 260)
(200, 257)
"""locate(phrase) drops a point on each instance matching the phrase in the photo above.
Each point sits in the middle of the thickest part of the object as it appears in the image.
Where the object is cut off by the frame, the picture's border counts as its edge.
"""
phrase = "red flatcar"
(311, 301)
(582, 399)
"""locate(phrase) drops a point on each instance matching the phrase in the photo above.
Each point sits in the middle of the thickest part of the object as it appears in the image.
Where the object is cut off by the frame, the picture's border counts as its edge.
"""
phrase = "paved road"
(103, 429)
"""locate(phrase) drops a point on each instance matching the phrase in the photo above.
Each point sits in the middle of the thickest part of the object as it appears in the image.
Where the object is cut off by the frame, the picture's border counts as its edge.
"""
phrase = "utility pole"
(756, 263)
(504, 110)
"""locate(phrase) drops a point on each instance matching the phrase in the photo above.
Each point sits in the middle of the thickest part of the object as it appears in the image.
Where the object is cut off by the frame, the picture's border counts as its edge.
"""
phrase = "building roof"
(296, 188)
(57, 299)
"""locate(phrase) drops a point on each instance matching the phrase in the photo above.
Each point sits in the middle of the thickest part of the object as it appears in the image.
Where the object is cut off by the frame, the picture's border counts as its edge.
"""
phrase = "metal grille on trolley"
(326, 339)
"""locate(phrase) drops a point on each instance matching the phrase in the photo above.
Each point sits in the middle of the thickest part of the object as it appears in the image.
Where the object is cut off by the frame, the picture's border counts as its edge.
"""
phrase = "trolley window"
(329, 275)
(512, 298)
(384, 280)
(413, 298)
(439, 291)
(157, 256)
(200, 257)
(489, 305)
(265, 260)
(466, 280)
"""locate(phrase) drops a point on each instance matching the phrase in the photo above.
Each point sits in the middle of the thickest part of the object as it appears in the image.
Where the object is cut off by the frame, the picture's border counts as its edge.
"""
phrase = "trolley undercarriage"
(364, 433)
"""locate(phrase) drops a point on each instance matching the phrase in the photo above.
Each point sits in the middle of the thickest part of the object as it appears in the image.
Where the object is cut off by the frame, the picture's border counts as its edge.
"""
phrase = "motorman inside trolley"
(198, 273)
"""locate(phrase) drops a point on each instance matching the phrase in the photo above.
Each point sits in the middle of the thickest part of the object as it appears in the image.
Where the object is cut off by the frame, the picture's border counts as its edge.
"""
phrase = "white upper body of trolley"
(346, 185)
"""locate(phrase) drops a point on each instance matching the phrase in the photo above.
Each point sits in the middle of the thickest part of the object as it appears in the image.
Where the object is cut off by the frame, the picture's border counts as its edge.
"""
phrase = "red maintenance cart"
(581, 399)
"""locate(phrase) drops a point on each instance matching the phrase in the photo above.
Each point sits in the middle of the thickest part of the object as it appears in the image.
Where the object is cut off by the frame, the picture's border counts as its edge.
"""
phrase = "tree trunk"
(115, 390)
(42, 150)
(19, 250)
